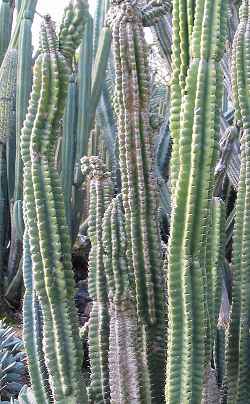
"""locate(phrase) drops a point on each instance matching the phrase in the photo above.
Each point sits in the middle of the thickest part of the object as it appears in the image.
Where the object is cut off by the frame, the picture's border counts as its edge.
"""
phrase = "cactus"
(31, 328)
(68, 144)
(24, 83)
(138, 183)
(100, 197)
(45, 217)
(6, 15)
(198, 44)
(127, 356)
(7, 101)
(237, 363)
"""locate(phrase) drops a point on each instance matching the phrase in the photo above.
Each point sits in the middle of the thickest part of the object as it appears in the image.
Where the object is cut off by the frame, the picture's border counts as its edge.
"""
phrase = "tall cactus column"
(238, 341)
(138, 184)
(48, 235)
(189, 351)
(98, 336)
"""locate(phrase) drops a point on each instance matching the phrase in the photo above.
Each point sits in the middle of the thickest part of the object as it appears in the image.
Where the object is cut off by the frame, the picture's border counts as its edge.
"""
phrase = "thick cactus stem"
(198, 50)
(49, 240)
(139, 194)
(238, 340)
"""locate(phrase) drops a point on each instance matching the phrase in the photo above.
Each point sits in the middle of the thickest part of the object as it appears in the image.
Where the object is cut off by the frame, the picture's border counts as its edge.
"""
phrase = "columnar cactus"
(238, 342)
(6, 15)
(7, 103)
(48, 235)
(127, 356)
(138, 183)
(198, 44)
(100, 198)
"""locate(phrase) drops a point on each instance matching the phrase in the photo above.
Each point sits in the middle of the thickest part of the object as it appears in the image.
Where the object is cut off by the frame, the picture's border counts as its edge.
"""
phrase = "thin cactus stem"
(100, 197)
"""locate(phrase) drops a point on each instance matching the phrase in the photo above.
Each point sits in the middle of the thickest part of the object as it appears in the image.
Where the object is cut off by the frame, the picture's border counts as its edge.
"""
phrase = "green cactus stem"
(238, 339)
(139, 193)
(100, 197)
(127, 355)
(30, 328)
(49, 240)
(196, 122)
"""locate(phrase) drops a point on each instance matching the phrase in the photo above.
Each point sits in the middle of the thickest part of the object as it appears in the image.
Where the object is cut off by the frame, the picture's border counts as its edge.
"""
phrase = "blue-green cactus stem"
(68, 143)
(84, 83)
(100, 197)
(6, 14)
(238, 341)
(188, 355)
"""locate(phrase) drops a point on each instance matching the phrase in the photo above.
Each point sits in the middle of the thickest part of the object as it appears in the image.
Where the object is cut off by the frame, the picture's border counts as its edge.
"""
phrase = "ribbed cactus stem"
(238, 341)
(127, 355)
(47, 228)
(30, 327)
(140, 199)
(6, 14)
(7, 105)
(188, 350)
(100, 197)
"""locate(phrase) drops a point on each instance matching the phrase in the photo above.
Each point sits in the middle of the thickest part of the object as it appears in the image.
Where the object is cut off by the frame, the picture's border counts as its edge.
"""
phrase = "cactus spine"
(49, 240)
(198, 43)
(238, 342)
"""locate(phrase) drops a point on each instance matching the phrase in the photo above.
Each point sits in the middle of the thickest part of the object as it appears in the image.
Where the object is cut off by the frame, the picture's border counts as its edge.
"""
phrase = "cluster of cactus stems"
(199, 32)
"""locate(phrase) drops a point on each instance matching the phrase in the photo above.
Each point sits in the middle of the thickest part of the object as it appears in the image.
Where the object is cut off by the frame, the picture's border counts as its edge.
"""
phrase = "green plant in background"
(198, 44)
